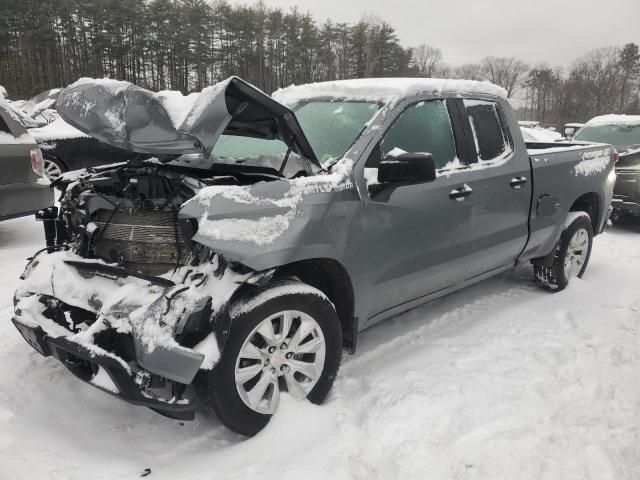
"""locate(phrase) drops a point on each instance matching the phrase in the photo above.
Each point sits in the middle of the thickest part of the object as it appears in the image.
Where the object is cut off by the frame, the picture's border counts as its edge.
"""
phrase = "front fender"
(274, 223)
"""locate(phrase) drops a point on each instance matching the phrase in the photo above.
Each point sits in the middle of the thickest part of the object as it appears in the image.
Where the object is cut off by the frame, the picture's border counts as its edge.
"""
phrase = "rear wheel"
(53, 168)
(571, 256)
(285, 337)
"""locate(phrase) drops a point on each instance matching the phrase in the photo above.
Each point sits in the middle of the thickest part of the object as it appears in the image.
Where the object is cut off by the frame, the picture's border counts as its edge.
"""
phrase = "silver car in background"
(23, 189)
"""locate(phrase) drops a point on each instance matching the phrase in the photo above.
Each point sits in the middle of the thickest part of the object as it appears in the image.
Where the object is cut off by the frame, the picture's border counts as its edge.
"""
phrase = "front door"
(420, 236)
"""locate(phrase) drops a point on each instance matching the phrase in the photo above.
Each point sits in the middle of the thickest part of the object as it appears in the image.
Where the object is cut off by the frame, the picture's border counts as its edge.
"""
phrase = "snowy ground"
(501, 381)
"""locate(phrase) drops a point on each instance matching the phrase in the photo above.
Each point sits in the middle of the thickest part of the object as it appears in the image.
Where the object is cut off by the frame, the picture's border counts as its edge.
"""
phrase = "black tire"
(216, 389)
(553, 278)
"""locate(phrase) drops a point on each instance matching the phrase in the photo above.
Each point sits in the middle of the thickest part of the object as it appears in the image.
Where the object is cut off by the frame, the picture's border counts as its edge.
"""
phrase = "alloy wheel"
(576, 253)
(51, 170)
(285, 352)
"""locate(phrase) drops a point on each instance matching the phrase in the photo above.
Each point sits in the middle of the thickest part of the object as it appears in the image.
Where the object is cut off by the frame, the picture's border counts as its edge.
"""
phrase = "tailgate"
(565, 175)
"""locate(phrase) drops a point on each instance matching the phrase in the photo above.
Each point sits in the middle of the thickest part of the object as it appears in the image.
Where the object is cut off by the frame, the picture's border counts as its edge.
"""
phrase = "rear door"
(502, 172)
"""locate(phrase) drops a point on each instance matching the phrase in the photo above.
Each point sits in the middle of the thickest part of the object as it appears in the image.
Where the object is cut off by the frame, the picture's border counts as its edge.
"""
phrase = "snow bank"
(383, 89)
(499, 381)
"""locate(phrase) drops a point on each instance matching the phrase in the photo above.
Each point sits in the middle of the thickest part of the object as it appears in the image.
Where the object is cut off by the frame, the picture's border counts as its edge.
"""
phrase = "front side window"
(423, 128)
(488, 131)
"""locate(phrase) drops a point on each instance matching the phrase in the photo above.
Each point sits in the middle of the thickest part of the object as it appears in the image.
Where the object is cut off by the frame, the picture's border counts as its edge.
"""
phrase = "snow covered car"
(540, 135)
(570, 129)
(65, 148)
(23, 191)
(623, 132)
(268, 232)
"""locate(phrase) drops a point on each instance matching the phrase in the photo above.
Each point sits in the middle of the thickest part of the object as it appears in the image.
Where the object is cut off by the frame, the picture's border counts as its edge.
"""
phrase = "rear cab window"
(490, 135)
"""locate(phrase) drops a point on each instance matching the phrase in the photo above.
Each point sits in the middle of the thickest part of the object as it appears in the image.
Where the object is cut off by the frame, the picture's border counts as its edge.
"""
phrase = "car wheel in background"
(285, 337)
(571, 255)
(53, 168)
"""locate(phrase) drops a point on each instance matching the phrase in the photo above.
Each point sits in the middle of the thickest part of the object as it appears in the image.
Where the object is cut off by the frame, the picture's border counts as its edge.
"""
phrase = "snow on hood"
(56, 130)
(384, 89)
(133, 118)
(627, 120)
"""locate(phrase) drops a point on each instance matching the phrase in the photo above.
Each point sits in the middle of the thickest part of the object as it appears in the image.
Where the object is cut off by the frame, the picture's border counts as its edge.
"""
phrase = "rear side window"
(492, 141)
(424, 127)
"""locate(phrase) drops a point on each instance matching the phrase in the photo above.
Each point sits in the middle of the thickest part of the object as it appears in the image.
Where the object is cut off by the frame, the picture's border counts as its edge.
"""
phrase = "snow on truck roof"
(615, 120)
(384, 89)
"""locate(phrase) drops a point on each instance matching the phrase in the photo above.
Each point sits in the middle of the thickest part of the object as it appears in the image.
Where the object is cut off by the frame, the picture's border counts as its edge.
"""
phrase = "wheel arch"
(46, 155)
(330, 277)
(590, 203)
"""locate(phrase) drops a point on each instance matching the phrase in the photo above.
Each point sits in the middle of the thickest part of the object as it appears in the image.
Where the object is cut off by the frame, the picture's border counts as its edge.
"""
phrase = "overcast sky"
(552, 31)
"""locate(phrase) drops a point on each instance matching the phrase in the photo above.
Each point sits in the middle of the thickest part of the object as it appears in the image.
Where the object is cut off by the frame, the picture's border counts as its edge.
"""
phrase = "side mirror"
(407, 168)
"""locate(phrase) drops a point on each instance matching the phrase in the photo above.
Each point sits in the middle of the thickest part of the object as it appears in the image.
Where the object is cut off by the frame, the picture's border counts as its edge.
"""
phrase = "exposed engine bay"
(128, 215)
(122, 287)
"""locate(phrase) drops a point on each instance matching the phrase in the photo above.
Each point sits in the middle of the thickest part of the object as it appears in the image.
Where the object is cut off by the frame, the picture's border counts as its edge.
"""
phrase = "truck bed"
(562, 173)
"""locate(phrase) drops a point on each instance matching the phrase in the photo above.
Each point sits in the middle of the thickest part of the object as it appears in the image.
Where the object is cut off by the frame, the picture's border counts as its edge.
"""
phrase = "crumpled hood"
(133, 118)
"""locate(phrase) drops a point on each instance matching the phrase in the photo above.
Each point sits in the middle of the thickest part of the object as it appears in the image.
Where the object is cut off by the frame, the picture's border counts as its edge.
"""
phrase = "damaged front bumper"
(137, 337)
(103, 371)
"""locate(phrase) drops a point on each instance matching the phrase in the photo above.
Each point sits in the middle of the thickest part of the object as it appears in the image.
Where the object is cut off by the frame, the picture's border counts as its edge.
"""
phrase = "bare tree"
(504, 71)
(427, 59)
(469, 71)
(630, 67)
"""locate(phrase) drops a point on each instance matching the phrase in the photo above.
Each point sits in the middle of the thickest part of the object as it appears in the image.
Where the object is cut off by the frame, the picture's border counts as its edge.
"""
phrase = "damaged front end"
(121, 295)
(143, 259)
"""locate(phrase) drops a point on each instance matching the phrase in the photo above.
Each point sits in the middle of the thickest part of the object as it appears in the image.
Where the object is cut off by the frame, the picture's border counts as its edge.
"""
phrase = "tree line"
(188, 44)
(605, 80)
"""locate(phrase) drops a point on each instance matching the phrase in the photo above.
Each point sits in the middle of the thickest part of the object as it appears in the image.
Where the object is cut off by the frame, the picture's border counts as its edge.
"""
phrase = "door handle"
(461, 193)
(518, 182)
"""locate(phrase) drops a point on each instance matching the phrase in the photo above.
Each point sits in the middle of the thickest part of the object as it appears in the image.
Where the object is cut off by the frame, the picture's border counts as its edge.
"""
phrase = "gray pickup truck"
(268, 232)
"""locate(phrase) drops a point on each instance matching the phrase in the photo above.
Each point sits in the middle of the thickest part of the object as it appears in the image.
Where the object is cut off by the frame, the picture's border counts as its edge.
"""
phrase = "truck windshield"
(617, 135)
(330, 126)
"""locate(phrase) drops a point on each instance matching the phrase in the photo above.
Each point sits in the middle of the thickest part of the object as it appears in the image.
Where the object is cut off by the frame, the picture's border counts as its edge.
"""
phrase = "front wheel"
(285, 337)
(572, 254)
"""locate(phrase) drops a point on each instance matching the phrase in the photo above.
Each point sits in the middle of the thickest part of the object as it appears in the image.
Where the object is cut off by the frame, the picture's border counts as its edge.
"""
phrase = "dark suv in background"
(623, 132)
